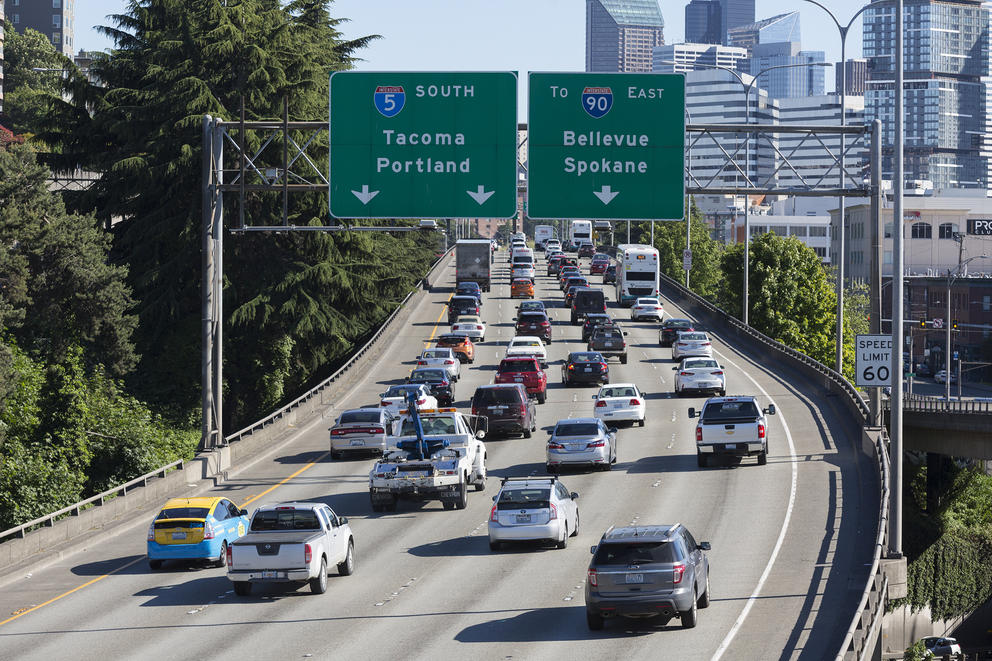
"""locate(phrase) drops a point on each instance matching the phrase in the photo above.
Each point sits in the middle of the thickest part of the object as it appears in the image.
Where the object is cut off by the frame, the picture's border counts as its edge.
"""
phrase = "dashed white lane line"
(396, 593)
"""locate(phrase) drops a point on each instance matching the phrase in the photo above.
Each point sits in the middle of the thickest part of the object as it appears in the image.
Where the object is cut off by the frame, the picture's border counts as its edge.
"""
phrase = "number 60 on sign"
(873, 360)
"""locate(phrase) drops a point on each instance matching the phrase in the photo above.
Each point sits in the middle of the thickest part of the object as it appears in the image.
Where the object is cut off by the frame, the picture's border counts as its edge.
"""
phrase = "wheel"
(155, 565)
(347, 568)
(462, 501)
(701, 460)
(689, 617)
(376, 508)
(390, 506)
(542, 397)
(482, 339)
(480, 484)
(575, 533)
(594, 620)
(447, 504)
(242, 588)
(527, 433)
(704, 598)
(335, 456)
(318, 584)
(623, 359)
(551, 469)
(495, 546)
(763, 457)
(722, 393)
(640, 423)
(222, 560)
(563, 542)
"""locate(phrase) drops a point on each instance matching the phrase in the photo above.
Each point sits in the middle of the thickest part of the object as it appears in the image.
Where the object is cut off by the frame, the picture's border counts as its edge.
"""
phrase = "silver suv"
(535, 508)
(647, 571)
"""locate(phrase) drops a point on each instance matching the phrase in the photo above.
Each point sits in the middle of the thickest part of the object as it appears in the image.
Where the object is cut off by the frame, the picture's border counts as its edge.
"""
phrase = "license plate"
(498, 409)
(178, 535)
(587, 369)
(730, 446)
(275, 574)
(575, 446)
(519, 380)
(609, 344)
(358, 441)
(634, 578)
(523, 518)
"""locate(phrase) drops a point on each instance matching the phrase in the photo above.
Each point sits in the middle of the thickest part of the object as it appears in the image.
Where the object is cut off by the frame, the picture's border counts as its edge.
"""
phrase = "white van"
(521, 256)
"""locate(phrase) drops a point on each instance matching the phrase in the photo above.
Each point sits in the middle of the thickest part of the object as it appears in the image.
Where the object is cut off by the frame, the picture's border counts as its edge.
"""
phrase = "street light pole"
(947, 326)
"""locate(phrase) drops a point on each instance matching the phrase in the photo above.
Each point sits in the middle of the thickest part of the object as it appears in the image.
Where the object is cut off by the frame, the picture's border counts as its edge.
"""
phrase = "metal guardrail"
(869, 613)
(76, 508)
(921, 404)
(316, 390)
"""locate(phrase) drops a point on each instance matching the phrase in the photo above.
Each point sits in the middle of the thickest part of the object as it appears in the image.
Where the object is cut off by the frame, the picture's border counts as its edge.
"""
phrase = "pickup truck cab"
(527, 371)
(732, 426)
(291, 543)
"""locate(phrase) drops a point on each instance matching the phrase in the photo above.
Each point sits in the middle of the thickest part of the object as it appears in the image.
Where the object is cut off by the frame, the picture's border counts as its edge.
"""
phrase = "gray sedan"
(582, 442)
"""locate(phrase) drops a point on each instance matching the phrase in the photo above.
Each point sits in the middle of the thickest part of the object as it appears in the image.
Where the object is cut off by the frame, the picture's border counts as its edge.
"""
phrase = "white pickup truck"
(291, 542)
(436, 462)
(732, 426)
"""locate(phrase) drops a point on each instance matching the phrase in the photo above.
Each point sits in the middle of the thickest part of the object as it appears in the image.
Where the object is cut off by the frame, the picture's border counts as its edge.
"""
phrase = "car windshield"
(430, 425)
(647, 301)
(450, 341)
(183, 513)
(730, 410)
(532, 318)
(524, 499)
(577, 429)
(526, 343)
(427, 376)
(532, 305)
(521, 282)
(359, 416)
(585, 358)
(437, 353)
(288, 519)
(400, 391)
(464, 301)
(700, 362)
(607, 333)
(468, 320)
(495, 396)
(618, 391)
(517, 366)
(634, 553)
(693, 336)
(676, 324)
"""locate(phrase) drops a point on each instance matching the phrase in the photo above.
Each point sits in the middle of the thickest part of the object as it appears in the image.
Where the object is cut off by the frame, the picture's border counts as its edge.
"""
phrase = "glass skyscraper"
(733, 14)
(946, 94)
(703, 19)
(788, 82)
(777, 29)
(621, 34)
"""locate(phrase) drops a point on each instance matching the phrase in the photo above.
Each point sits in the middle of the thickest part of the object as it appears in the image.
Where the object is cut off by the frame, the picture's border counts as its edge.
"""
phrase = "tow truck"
(438, 454)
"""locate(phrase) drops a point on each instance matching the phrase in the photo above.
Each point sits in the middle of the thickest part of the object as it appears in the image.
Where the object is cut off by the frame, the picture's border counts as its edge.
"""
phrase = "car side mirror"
(382, 394)
(574, 495)
(480, 434)
(703, 546)
(692, 412)
(592, 549)
(242, 512)
(595, 396)
(770, 410)
(495, 496)
(342, 520)
(675, 369)
(613, 430)
(722, 367)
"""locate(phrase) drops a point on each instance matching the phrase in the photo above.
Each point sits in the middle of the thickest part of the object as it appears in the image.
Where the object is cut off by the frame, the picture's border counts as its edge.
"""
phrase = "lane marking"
(285, 480)
(444, 310)
(781, 535)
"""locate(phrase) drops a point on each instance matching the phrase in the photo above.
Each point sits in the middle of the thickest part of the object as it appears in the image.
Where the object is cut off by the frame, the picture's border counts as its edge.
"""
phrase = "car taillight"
(597, 444)
(449, 362)
(475, 411)
(383, 403)
(523, 409)
(603, 366)
(555, 446)
(634, 402)
(151, 533)
(592, 577)
(338, 432)
(683, 344)
(208, 530)
(699, 434)
(421, 362)
(705, 344)
(307, 553)
(677, 572)
(554, 512)
(685, 373)
(376, 430)
(421, 402)
(571, 367)
(492, 514)
(761, 431)
(717, 373)
(230, 555)
(545, 324)
(604, 307)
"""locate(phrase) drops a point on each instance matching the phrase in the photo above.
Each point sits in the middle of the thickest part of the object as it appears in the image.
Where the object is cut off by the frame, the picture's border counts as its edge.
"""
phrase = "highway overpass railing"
(863, 632)
(922, 404)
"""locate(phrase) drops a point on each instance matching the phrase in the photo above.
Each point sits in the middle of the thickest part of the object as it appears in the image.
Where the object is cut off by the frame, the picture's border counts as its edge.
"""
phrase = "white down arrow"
(480, 195)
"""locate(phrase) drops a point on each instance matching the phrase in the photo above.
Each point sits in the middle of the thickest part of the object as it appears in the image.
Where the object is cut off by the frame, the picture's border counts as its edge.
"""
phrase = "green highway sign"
(423, 145)
(606, 146)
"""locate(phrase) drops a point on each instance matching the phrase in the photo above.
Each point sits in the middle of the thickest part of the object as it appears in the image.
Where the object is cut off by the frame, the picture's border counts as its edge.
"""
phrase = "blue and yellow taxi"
(195, 529)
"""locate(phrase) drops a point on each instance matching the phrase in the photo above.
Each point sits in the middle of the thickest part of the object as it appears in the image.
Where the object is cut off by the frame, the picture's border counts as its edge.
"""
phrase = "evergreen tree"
(33, 77)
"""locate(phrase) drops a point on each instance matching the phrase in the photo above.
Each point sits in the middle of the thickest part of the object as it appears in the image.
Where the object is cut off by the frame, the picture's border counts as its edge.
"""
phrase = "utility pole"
(898, 226)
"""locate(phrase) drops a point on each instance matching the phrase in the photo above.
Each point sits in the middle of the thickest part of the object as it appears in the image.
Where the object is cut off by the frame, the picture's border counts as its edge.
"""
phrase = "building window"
(818, 231)
(56, 4)
(57, 20)
(17, 18)
(986, 303)
(56, 38)
(888, 230)
(948, 230)
(922, 231)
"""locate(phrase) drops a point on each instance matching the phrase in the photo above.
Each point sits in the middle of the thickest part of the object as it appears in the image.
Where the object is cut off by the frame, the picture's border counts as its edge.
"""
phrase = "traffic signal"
(954, 324)
(923, 323)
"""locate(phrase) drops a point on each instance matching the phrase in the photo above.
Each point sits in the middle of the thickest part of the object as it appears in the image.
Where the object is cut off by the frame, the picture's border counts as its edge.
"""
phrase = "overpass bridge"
(961, 428)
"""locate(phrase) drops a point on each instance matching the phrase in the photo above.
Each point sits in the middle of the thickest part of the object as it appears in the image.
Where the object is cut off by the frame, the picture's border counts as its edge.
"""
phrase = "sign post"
(873, 360)
(423, 145)
(606, 146)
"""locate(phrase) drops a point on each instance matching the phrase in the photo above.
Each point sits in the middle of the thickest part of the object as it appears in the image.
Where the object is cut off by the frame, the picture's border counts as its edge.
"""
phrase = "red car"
(526, 370)
(599, 264)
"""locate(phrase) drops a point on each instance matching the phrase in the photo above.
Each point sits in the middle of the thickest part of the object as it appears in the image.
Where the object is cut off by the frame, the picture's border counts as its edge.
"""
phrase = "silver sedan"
(582, 442)
(700, 375)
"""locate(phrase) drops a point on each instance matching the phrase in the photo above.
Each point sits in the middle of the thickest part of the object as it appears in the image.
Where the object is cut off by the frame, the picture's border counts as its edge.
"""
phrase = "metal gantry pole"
(895, 419)
(208, 194)
(840, 203)
(747, 216)
(877, 257)
(947, 343)
(218, 286)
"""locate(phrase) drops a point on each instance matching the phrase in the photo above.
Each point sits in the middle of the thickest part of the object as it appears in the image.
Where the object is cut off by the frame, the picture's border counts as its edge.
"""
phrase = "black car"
(534, 323)
(508, 408)
(670, 329)
(585, 367)
(459, 305)
(586, 301)
(571, 292)
(610, 275)
(438, 381)
(608, 340)
(554, 263)
(574, 281)
(592, 320)
(469, 289)
(587, 250)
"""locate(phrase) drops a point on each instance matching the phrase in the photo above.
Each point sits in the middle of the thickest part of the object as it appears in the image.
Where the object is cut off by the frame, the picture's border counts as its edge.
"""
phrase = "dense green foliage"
(949, 550)
(33, 74)
(790, 295)
(856, 322)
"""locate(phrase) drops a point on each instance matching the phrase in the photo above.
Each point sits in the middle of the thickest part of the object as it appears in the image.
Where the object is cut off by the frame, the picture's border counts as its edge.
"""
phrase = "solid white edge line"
(781, 535)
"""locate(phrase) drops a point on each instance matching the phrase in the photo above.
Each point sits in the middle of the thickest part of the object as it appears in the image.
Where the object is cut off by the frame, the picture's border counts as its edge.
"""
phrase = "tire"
(480, 484)
(462, 501)
(689, 617)
(701, 460)
(318, 584)
(155, 565)
(763, 457)
(527, 433)
(347, 568)
(623, 359)
(447, 504)
(242, 588)
(542, 397)
(723, 393)
(563, 542)
(575, 533)
(640, 423)
(495, 546)
(551, 469)
(704, 598)
(376, 508)
(594, 620)
(335, 456)
(222, 560)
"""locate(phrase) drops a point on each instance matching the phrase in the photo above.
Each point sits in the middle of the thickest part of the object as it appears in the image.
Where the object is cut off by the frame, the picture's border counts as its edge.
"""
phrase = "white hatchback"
(522, 271)
(646, 308)
(700, 375)
(620, 402)
(533, 509)
(471, 326)
(441, 358)
(691, 343)
(395, 400)
(528, 345)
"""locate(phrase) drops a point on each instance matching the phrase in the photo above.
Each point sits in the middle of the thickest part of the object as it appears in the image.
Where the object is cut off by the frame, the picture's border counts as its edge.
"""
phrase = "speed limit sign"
(873, 360)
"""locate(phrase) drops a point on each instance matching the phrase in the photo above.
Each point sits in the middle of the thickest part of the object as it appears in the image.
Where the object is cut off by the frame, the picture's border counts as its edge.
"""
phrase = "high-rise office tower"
(703, 20)
(946, 93)
(857, 75)
(787, 82)
(733, 14)
(680, 58)
(55, 19)
(621, 34)
(777, 29)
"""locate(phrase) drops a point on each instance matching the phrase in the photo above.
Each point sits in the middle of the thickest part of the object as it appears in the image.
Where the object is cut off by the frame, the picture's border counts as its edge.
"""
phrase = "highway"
(789, 540)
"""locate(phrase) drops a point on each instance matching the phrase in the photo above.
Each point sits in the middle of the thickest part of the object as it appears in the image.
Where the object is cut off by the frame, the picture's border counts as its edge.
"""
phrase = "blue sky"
(499, 35)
